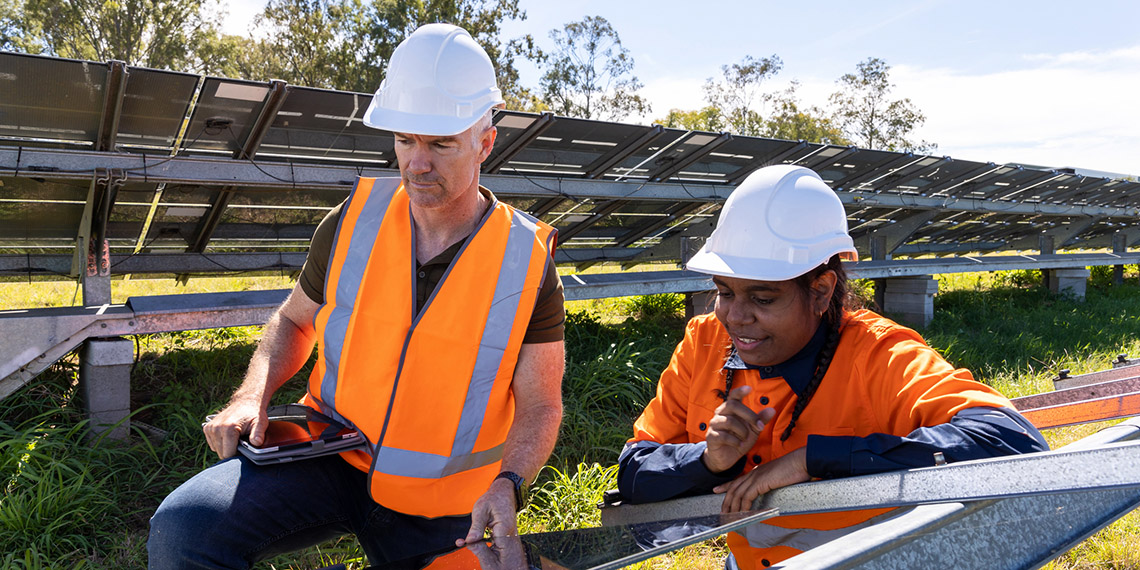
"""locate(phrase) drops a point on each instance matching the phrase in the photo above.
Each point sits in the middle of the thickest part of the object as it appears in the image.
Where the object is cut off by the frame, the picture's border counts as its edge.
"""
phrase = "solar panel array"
(91, 149)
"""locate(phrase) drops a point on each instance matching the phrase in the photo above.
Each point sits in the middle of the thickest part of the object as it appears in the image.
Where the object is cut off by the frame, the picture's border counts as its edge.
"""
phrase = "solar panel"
(614, 191)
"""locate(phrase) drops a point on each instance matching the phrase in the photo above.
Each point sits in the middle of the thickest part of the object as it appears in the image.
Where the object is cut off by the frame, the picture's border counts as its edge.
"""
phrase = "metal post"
(878, 246)
(1046, 244)
(701, 302)
(1119, 245)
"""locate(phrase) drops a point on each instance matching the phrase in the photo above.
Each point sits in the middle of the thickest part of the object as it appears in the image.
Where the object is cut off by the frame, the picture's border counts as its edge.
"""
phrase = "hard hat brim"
(417, 124)
(757, 269)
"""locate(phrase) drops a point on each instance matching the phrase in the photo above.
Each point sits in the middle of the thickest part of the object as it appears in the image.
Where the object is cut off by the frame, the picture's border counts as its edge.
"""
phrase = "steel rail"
(1117, 467)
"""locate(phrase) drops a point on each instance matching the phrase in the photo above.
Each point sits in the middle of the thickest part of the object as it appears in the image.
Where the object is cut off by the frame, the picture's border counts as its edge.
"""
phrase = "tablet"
(299, 432)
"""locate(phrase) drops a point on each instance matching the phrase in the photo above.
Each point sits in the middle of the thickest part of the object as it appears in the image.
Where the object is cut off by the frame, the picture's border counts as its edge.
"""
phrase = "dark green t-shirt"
(546, 323)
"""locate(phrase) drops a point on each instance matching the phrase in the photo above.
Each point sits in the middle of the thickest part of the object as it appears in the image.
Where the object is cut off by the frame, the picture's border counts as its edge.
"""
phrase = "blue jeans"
(236, 513)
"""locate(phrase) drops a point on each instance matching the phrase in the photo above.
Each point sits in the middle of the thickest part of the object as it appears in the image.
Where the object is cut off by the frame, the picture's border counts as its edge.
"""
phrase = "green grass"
(69, 503)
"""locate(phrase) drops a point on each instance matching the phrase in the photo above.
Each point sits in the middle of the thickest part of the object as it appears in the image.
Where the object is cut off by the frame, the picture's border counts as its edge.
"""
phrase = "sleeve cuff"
(691, 466)
(829, 457)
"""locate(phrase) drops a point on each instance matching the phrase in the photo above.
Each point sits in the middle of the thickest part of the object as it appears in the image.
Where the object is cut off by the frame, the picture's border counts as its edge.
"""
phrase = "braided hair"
(833, 316)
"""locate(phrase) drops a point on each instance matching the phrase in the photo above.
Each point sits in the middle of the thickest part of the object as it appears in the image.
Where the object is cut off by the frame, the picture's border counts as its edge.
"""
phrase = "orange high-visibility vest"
(883, 379)
(431, 391)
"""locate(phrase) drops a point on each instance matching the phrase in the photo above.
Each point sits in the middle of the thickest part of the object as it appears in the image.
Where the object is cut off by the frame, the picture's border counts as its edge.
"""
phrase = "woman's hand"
(742, 491)
(733, 431)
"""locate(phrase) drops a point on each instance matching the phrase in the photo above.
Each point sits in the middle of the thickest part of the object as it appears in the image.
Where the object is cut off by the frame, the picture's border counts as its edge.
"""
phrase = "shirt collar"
(796, 371)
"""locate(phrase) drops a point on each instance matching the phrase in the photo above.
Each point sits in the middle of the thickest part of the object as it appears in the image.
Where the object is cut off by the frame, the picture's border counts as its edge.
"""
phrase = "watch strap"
(520, 487)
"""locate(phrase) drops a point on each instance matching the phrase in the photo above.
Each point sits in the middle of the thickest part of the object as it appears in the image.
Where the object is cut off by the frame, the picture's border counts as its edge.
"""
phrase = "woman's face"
(770, 321)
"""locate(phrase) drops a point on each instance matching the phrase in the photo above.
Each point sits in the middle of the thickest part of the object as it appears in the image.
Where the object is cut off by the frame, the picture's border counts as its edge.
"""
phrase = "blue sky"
(1047, 83)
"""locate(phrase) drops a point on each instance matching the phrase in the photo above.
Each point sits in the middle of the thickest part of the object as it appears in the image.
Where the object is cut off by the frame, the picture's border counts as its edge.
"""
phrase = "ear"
(822, 288)
(487, 143)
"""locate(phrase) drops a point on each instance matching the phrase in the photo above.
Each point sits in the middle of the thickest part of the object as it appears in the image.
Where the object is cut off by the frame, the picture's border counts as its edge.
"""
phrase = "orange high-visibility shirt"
(883, 379)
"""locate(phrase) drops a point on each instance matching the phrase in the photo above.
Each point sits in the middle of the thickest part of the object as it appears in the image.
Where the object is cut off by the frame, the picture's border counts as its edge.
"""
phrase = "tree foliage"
(345, 44)
(589, 74)
(789, 121)
(150, 33)
(869, 117)
(737, 95)
(704, 119)
(736, 103)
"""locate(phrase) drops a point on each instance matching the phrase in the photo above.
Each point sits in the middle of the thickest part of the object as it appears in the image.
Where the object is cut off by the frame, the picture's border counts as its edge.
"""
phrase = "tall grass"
(71, 503)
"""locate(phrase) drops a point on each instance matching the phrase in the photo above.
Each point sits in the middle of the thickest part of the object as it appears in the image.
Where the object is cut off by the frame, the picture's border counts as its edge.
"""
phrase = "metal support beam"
(544, 207)
(112, 106)
(536, 128)
(59, 164)
(603, 210)
(1087, 411)
(605, 285)
(278, 91)
(671, 215)
(987, 534)
(1060, 237)
(95, 279)
(895, 234)
(1063, 381)
(1078, 394)
(1032, 474)
(635, 234)
(33, 339)
(1119, 245)
(669, 249)
(159, 263)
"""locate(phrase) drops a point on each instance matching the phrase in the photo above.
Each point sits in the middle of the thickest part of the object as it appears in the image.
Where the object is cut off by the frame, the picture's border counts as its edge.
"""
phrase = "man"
(437, 313)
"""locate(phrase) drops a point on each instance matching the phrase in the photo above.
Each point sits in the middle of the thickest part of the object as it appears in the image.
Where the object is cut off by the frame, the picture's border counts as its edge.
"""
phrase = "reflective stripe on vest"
(429, 390)
(363, 238)
(496, 331)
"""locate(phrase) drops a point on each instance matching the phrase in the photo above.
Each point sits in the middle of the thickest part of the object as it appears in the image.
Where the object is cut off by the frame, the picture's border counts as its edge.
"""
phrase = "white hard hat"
(780, 223)
(439, 82)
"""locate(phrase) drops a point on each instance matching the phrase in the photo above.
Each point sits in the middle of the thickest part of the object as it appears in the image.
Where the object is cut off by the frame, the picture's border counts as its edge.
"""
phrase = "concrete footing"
(1073, 280)
(909, 300)
(105, 384)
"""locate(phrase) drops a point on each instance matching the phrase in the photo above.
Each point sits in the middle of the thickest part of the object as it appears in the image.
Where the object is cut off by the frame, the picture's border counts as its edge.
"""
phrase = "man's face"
(438, 170)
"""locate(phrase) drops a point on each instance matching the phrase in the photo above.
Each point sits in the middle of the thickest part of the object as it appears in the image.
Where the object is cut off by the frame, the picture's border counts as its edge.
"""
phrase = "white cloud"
(1075, 109)
(1048, 115)
(1118, 57)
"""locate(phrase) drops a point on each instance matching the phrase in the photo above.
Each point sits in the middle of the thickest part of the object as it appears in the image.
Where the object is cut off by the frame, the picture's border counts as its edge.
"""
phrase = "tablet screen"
(282, 435)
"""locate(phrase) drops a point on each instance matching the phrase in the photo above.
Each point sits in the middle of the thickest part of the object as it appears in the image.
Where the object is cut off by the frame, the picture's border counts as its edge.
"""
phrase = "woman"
(783, 383)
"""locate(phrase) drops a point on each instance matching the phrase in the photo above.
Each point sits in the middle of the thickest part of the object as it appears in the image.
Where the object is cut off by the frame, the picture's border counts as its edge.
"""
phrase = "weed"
(568, 499)
(656, 307)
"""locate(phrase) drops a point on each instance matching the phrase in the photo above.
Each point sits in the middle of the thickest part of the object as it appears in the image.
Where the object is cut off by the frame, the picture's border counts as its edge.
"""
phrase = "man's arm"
(285, 345)
(537, 387)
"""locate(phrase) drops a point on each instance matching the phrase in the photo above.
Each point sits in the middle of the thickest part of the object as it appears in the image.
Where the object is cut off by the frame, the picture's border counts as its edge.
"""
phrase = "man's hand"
(742, 491)
(733, 431)
(506, 553)
(495, 510)
(237, 419)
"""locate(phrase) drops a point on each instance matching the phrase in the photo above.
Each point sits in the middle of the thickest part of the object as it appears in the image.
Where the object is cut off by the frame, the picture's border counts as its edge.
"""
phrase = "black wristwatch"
(520, 488)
